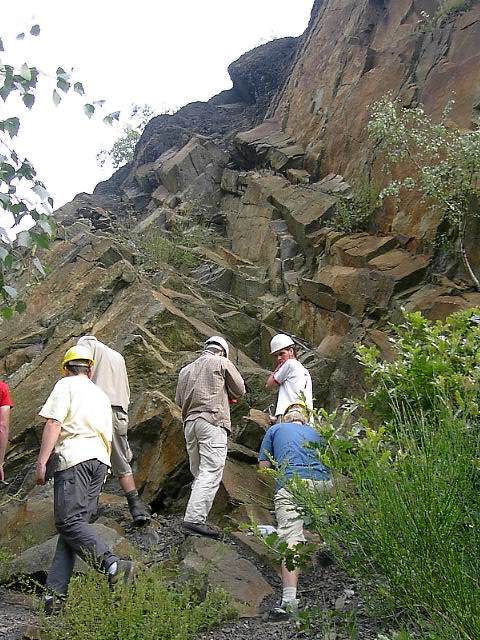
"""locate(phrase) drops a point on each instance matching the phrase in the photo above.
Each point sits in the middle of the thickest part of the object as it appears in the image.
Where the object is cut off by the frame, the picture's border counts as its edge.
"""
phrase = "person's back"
(293, 446)
(203, 392)
(109, 372)
(110, 375)
(205, 386)
(85, 415)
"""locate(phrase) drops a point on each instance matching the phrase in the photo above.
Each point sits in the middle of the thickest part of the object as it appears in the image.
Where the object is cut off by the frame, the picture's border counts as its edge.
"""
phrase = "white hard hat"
(280, 341)
(219, 342)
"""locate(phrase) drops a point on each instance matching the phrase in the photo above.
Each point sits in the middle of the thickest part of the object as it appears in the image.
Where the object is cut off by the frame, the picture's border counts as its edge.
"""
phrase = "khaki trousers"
(207, 452)
(290, 522)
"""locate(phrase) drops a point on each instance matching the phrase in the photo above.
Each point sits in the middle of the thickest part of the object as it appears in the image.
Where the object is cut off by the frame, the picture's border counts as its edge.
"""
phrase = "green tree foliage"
(123, 148)
(23, 196)
(442, 161)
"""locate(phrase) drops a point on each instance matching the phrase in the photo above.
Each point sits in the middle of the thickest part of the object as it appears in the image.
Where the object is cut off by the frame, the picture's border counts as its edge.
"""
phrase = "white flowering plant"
(443, 163)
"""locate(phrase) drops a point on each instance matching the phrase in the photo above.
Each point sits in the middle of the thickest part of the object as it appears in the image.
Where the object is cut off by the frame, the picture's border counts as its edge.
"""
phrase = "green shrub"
(434, 360)
(452, 6)
(149, 609)
(158, 249)
(353, 213)
(407, 522)
(411, 529)
(440, 162)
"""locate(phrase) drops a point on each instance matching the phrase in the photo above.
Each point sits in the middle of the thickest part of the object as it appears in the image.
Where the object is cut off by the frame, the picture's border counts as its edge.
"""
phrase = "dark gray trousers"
(76, 493)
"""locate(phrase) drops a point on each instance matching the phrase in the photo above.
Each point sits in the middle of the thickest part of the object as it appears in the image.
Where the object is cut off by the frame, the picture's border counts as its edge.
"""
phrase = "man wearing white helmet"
(110, 374)
(290, 377)
(204, 390)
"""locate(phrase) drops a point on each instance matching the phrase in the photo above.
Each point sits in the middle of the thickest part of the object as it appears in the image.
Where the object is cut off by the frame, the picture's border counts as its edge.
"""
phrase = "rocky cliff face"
(357, 51)
(222, 224)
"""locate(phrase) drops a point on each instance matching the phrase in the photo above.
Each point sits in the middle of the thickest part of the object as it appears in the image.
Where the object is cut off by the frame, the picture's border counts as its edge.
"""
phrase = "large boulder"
(182, 169)
(36, 561)
(223, 567)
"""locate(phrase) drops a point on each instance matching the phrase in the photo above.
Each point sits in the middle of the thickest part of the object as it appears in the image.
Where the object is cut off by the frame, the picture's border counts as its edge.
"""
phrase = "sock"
(131, 495)
(289, 594)
(112, 569)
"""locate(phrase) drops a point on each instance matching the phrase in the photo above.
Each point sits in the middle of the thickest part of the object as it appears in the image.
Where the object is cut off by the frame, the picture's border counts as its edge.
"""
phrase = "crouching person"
(79, 428)
(288, 445)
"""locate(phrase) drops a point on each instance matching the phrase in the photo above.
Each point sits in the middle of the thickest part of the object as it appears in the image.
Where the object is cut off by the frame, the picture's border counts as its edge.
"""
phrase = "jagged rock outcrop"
(353, 53)
(256, 77)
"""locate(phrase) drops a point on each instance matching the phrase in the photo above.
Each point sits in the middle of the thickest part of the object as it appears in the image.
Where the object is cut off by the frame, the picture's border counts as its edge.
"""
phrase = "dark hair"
(77, 369)
(213, 347)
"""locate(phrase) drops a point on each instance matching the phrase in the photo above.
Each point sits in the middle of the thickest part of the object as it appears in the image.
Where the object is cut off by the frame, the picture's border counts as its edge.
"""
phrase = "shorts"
(290, 522)
(121, 453)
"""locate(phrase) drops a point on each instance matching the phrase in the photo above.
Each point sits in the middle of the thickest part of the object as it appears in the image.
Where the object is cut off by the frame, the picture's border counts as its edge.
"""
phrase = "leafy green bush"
(452, 6)
(439, 161)
(410, 530)
(434, 360)
(174, 248)
(355, 212)
(407, 521)
(150, 608)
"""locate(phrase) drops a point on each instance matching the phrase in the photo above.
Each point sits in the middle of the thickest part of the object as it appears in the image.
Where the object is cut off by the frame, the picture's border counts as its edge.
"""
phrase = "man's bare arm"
(50, 434)
(271, 383)
(4, 430)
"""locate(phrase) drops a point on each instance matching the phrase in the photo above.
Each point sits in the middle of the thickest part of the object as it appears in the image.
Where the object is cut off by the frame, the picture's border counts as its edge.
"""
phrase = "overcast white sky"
(162, 53)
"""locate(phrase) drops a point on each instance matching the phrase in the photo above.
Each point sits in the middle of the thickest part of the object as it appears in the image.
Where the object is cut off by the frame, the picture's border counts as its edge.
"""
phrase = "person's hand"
(273, 419)
(40, 472)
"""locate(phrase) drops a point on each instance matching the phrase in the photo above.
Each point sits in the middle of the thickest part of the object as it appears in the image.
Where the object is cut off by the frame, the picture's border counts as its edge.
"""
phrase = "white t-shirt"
(86, 416)
(295, 382)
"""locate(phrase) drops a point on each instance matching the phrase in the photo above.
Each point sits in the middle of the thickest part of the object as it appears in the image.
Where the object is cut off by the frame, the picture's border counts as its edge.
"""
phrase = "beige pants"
(121, 453)
(289, 521)
(207, 451)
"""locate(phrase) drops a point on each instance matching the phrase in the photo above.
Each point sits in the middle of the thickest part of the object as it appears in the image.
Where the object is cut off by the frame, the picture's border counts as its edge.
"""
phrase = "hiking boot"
(53, 603)
(197, 529)
(285, 611)
(125, 573)
(139, 512)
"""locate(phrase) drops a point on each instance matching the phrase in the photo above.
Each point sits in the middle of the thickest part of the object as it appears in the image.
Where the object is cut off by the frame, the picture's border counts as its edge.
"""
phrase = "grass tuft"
(151, 608)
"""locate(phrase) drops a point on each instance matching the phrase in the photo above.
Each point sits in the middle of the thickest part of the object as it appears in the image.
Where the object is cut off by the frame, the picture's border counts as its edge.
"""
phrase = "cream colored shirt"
(109, 371)
(86, 416)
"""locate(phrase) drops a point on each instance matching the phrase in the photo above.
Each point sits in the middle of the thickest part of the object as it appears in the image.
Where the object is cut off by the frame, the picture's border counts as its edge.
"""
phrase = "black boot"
(139, 513)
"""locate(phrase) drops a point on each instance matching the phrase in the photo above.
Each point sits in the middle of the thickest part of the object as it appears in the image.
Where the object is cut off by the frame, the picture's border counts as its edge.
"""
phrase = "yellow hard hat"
(77, 353)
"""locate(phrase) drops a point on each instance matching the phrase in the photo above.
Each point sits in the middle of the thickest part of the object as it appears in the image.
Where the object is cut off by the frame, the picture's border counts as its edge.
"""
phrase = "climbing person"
(204, 390)
(79, 429)
(287, 446)
(290, 377)
(110, 374)
(6, 405)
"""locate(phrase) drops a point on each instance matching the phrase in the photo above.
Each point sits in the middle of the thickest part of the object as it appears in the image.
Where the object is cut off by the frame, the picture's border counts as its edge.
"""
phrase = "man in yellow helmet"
(79, 428)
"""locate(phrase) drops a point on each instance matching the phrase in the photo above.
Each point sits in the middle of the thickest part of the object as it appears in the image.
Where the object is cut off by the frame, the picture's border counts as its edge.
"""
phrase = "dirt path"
(17, 612)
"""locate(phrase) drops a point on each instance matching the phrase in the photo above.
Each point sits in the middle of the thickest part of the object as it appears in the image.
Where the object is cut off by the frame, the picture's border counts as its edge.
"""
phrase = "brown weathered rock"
(298, 176)
(403, 268)
(27, 522)
(37, 559)
(355, 250)
(224, 568)
(182, 169)
(242, 484)
(354, 288)
(356, 52)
